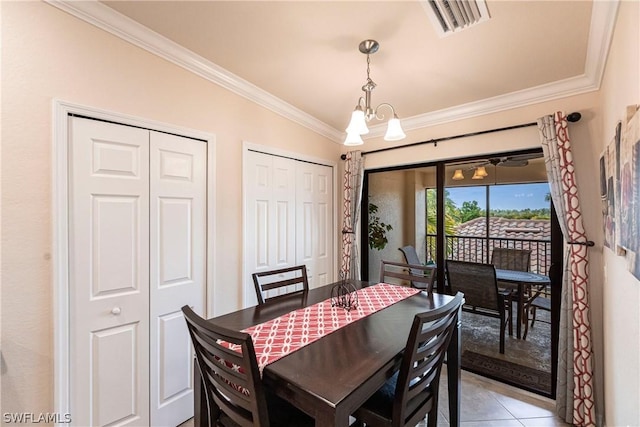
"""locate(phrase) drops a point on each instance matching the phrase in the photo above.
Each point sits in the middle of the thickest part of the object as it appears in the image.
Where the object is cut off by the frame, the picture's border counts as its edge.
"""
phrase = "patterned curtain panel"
(575, 392)
(353, 175)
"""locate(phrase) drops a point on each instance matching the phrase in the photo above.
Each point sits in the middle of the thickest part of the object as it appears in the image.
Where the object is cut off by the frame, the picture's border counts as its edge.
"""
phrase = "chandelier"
(364, 113)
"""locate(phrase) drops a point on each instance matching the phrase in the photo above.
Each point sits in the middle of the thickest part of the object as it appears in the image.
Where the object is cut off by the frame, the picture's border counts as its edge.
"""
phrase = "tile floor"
(488, 403)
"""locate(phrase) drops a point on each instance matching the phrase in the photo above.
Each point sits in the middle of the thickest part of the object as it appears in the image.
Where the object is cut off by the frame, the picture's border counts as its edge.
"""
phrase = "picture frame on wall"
(629, 184)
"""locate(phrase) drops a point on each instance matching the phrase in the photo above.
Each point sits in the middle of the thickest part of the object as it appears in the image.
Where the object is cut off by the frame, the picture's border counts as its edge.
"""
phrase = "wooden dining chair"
(412, 392)
(231, 380)
(420, 276)
(270, 284)
(479, 285)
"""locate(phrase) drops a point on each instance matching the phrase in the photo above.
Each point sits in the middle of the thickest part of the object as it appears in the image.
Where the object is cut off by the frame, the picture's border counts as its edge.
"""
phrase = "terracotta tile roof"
(537, 229)
(473, 248)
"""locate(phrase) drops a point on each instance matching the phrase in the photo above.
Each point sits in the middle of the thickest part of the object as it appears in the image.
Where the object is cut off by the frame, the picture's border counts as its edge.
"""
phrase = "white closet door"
(109, 273)
(177, 270)
(314, 221)
(269, 216)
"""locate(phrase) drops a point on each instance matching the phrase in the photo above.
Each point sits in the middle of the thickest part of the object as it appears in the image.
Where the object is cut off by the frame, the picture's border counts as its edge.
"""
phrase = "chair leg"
(533, 315)
(503, 326)
(432, 416)
(525, 321)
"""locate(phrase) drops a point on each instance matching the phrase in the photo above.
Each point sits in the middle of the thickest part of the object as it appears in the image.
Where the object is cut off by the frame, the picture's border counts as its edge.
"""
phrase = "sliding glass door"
(463, 209)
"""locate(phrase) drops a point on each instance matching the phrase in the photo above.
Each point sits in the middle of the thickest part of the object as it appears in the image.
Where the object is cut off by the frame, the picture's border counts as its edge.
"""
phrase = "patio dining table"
(334, 375)
(523, 280)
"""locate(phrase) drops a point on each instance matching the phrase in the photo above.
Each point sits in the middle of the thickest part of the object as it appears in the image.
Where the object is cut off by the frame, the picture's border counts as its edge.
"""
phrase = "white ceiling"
(301, 58)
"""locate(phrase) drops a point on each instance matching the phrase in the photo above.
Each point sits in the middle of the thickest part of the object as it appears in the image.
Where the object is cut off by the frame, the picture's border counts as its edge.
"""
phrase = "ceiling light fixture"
(481, 171)
(458, 175)
(477, 175)
(364, 113)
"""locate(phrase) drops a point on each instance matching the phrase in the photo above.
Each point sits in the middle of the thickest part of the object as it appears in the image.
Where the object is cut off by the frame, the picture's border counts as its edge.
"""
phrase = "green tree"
(470, 210)
(451, 216)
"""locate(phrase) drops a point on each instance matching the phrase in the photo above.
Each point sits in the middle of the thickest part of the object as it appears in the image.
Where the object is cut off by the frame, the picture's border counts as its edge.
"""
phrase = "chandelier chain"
(368, 67)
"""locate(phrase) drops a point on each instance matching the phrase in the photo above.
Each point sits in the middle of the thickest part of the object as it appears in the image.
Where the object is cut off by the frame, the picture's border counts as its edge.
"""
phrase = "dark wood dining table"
(331, 377)
(522, 279)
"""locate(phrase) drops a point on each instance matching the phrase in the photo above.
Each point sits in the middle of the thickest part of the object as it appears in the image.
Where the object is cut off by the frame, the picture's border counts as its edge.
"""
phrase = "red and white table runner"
(278, 337)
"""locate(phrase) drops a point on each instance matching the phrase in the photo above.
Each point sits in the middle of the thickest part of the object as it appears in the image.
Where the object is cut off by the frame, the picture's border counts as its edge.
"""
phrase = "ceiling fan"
(517, 160)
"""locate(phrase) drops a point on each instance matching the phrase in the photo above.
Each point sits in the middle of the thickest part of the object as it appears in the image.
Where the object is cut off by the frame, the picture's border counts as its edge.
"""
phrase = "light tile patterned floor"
(487, 403)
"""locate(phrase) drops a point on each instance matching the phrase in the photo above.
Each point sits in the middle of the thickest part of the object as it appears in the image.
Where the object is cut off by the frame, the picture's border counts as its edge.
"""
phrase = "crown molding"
(603, 16)
(103, 17)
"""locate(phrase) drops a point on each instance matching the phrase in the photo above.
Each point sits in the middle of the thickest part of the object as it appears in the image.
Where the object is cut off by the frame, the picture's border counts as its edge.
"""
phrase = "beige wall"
(621, 291)
(614, 292)
(48, 54)
(388, 193)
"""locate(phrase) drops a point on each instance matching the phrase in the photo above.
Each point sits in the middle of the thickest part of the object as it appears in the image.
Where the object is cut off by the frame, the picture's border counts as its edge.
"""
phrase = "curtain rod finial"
(574, 117)
(343, 156)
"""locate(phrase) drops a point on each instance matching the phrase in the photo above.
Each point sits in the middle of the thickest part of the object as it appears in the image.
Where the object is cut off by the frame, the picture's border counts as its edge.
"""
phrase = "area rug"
(510, 373)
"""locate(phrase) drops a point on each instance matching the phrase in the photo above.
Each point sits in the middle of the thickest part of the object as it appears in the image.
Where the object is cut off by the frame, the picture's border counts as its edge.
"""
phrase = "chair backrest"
(231, 379)
(418, 379)
(420, 276)
(410, 255)
(270, 284)
(476, 281)
(511, 259)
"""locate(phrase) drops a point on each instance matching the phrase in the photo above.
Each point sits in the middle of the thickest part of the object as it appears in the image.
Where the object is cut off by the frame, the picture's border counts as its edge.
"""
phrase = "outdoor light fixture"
(477, 175)
(364, 113)
(457, 175)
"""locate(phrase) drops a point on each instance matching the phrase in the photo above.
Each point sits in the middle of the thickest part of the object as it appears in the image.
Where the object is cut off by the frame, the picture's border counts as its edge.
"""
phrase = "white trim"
(60, 172)
(603, 17)
(246, 146)
(104, 17)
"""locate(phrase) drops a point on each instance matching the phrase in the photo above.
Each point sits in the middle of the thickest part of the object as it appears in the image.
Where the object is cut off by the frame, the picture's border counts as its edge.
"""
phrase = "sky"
(513, 196)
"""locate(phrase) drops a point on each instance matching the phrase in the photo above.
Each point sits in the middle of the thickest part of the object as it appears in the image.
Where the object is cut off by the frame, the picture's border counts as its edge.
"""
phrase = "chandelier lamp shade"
(364, 112)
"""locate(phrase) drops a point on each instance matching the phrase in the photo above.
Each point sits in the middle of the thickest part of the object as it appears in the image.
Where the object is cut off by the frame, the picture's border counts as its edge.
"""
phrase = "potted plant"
(377, 229)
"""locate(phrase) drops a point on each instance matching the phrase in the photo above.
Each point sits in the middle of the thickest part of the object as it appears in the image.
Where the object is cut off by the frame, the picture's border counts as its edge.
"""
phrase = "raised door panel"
(177, 269)
(269, 232)
(314, 232)
(109, 273)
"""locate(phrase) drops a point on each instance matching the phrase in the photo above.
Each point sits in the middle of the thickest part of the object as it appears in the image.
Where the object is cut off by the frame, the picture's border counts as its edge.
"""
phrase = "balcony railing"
(479, 249)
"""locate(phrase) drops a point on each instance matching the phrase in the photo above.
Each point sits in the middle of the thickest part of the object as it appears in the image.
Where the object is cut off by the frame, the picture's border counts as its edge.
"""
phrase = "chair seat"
(283, 414)
(378, 410)
(381, 403)
(542, 303)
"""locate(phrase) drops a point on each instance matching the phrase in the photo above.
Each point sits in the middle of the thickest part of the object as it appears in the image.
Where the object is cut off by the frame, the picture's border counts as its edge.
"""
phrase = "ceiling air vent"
(450, 16)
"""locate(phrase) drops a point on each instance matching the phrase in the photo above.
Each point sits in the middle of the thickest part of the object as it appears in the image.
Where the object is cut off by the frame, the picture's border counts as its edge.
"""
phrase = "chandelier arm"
(381, 116)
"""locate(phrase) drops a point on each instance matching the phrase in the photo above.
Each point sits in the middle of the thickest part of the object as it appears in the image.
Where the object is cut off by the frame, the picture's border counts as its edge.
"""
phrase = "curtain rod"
(572, 117)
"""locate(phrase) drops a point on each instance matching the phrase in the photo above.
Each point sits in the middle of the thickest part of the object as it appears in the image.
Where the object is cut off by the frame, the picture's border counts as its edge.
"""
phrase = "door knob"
(116, 311)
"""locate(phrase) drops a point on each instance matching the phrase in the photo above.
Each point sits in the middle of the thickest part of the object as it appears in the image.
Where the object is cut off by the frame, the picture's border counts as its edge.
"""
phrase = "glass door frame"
(557, 242)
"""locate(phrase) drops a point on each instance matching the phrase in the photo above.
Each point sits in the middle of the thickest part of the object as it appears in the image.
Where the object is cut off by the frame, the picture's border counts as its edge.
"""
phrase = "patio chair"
(479, 285)
(231, 380)
(412, 393)
(511, 259)
(411, 257)
(420, 276)
(539, 300)
(271, 284)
